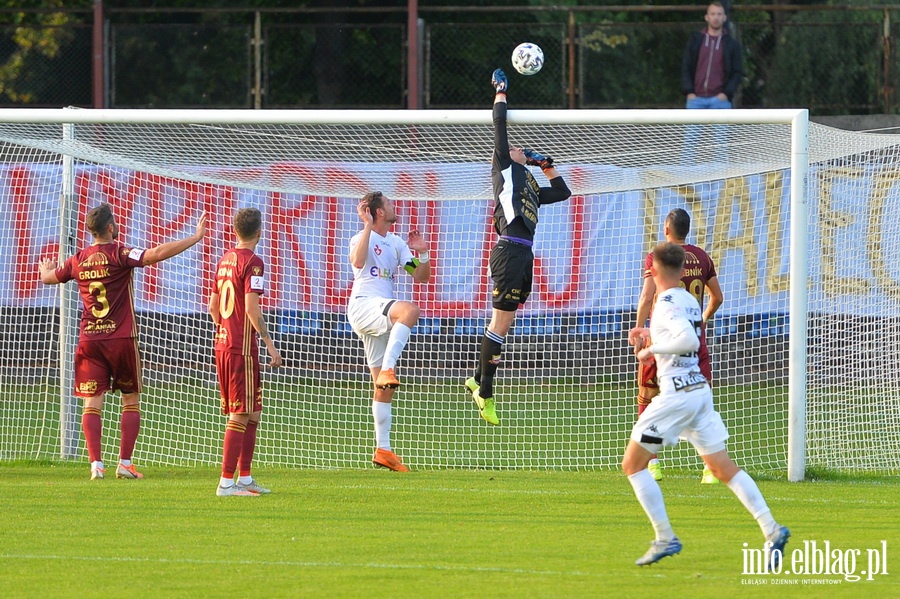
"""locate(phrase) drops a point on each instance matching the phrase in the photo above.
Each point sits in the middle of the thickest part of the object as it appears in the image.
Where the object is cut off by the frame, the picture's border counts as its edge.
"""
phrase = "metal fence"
(832, 60)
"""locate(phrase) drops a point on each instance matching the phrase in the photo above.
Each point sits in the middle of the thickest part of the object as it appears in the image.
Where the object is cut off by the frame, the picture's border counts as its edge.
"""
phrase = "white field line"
(299, 564)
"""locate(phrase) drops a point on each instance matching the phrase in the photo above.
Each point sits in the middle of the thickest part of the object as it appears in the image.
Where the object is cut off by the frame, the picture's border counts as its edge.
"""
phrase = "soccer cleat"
(255, 487)
(655, 470)
(778, 540)
(386, 458)
(97, 473)
(471, 385)
(659, 550)
(127, 472)
(708, 478)
(235, 491)
(387, 379)
(486, 407)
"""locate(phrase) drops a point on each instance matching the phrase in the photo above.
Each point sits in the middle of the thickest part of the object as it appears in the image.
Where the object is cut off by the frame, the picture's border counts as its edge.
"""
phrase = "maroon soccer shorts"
(239, 383)
(107, 365)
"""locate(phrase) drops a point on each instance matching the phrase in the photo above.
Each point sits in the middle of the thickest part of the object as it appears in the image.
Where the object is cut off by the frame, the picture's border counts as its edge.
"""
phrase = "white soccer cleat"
(255, 487)
(235, 491)
(659, 550)
(97, 472)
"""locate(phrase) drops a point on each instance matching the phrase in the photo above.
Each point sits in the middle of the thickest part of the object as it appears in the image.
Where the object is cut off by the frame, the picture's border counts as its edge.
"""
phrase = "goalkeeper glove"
(532, 158)
(499, 81)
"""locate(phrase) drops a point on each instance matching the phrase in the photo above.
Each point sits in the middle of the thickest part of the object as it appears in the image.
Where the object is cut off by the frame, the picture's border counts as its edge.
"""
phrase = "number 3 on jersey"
(98, 288)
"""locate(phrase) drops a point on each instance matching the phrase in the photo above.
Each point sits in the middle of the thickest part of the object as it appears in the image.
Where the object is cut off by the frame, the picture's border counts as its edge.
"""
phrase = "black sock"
(491, 349)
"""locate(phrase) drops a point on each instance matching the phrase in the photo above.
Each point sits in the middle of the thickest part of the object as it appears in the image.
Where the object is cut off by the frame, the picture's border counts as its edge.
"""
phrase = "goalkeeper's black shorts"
(512, 266)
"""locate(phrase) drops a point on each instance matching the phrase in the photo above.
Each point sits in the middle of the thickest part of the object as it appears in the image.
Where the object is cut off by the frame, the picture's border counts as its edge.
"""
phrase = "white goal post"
(566, 387)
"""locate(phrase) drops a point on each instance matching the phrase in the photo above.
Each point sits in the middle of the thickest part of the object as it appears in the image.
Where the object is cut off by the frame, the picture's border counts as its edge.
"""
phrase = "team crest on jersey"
(257, 270)
(377, 250)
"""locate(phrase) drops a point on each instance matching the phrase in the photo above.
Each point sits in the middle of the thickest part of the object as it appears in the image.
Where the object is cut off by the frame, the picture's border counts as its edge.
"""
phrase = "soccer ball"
(528, 58)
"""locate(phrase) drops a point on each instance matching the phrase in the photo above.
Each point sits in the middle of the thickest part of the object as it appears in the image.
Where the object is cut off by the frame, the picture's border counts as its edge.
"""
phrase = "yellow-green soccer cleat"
(486, 407)
(708, 478)
(655, 470)
(472, 386)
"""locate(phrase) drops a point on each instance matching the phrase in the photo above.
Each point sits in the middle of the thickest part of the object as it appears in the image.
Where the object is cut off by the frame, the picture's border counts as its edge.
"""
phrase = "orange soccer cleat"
(387, 379)
(388, 459)
(127, 472)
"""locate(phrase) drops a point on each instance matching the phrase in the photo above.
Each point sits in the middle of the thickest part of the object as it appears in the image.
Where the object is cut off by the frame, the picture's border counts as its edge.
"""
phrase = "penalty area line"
(298, 564)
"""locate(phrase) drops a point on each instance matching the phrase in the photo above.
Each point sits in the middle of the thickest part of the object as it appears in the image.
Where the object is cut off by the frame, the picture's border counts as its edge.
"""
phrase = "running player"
(683, 409)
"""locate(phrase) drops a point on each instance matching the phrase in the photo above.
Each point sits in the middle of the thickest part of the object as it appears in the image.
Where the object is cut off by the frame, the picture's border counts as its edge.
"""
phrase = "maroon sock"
(130, 425)
(248, 447)
(231, 447)
(92, 425)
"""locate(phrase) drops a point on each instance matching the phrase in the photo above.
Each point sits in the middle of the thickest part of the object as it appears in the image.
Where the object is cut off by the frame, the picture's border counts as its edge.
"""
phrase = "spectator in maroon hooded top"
(712, 68)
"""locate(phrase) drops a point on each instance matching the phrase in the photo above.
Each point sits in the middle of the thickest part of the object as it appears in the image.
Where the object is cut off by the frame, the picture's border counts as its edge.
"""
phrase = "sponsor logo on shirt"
(381, 273)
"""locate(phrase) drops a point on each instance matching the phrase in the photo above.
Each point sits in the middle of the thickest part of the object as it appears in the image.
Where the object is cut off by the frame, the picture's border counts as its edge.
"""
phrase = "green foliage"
(829, 62)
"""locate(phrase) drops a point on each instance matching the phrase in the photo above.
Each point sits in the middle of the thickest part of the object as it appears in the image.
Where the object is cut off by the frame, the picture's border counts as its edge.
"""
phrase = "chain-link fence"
(832, 60)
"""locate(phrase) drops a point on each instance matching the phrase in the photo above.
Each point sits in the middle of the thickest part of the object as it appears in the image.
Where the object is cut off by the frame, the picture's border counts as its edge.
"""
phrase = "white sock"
(225, 482)
(653, 461)
(98, 465)
(381, 411)
(396, 342)
(650, 497)
(746, 490)
(245, 480)
(125, 462)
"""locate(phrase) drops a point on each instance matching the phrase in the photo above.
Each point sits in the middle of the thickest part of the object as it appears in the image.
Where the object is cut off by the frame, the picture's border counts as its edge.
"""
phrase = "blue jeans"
(694, 133)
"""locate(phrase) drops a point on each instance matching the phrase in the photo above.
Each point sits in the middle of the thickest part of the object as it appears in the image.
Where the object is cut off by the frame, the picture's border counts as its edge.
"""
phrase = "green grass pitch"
(431, 533)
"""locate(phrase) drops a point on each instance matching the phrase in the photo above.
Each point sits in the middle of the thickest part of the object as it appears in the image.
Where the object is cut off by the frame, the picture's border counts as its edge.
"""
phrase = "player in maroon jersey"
(107, 356)
(235, 310)
(699, 278)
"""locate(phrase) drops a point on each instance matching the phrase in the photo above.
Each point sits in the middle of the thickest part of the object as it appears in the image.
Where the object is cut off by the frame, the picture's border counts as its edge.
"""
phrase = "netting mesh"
(566, 387)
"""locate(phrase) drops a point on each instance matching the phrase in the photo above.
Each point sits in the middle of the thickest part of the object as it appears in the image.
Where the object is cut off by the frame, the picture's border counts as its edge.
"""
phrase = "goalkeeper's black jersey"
(517, 196)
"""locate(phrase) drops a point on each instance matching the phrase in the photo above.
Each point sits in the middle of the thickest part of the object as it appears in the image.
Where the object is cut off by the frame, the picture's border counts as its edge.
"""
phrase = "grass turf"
(432, 533)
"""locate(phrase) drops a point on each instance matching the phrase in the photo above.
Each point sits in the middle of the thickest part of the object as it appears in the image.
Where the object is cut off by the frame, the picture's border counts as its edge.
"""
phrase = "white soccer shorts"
(689, 415)
(368, 316)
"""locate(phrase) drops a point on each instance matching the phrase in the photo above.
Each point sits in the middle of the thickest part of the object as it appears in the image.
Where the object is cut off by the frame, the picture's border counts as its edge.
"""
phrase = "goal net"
(566, 387)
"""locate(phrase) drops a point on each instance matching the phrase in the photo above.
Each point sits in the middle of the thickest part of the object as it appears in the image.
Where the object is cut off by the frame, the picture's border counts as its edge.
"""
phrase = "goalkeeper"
(517, 198)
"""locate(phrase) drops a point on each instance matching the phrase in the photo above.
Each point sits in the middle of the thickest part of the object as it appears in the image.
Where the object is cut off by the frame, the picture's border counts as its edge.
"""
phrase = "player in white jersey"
(382, 322)
(683, 408)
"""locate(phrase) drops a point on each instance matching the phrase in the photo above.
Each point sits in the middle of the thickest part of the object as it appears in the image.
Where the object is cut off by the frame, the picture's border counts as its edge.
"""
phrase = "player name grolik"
(811, 559)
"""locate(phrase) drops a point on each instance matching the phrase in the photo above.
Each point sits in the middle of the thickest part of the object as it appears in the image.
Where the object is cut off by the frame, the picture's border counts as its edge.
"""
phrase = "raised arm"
(501, 138)
(360, 252)
(173, 248)
(47, 270)
(421, 270)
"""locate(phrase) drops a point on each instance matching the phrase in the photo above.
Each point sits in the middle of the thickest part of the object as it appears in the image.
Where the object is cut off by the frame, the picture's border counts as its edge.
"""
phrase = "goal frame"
(797, 119)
